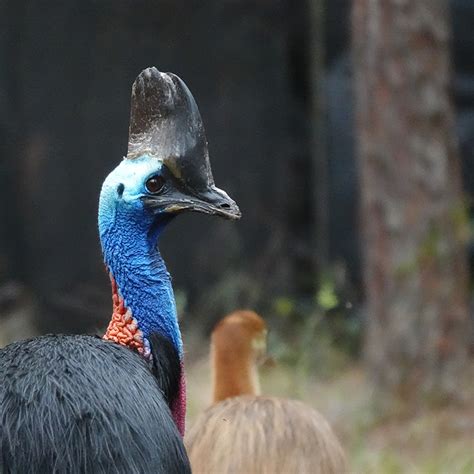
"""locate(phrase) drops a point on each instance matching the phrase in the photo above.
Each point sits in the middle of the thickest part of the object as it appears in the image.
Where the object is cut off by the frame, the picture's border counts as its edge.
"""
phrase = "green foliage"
(313, 334)
(318, 335)
(326, 297)
(463, 225)
(284, 307)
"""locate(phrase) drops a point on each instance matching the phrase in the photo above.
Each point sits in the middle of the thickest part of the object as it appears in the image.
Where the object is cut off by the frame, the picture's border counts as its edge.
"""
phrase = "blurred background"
(345, 132)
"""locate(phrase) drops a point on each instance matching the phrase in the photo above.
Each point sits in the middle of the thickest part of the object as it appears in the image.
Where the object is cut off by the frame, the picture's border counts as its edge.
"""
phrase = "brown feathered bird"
(243, 432)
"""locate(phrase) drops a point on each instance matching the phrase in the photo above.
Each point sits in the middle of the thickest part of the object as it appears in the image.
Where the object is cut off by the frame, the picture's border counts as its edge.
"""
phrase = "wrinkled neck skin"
(234, 373)
(135, 264)
(142, 292)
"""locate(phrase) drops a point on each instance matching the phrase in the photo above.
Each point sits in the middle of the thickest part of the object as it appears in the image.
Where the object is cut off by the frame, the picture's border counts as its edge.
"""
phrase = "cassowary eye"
(155, 184)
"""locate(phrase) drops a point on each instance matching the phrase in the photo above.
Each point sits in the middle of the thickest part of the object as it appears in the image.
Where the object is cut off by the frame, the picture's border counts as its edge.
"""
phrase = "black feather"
(166, 366)
(78, 404)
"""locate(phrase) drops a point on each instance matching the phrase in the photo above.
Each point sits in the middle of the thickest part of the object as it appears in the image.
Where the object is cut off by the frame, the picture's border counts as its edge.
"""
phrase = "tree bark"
(412, 212)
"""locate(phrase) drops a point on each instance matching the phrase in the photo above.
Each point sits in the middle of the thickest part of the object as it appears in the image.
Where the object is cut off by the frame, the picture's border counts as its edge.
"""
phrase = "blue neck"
(134, 261)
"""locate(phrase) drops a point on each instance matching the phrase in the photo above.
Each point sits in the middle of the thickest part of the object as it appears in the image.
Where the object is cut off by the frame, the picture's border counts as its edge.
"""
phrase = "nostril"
(225, 206)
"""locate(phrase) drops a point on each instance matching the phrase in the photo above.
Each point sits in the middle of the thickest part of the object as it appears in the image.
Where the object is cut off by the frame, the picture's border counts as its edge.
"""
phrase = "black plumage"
(165, 366)
(76, 404)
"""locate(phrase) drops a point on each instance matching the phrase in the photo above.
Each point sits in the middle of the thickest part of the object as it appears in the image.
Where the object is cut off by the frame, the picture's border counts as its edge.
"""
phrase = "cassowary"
(243, 433)
(81, 404)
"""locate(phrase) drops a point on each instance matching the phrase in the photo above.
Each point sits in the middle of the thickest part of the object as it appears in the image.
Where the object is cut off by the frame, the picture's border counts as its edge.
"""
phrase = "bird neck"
(234, 373)
(143, 299)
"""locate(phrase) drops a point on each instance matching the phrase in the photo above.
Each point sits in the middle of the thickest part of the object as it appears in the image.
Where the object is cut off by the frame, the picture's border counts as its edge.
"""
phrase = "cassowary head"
(166, 170)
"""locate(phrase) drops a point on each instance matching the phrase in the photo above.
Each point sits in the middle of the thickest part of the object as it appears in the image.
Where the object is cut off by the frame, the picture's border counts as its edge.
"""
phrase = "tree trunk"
(412, 214)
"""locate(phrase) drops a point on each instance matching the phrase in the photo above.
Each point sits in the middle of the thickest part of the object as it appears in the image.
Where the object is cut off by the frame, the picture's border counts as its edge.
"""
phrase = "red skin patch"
(123, 328)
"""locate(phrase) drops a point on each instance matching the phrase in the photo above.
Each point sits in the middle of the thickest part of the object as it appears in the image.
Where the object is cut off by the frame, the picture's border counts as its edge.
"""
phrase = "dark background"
(66, 70)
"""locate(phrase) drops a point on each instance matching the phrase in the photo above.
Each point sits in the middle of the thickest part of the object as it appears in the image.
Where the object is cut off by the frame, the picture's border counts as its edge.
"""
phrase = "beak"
(213, 201)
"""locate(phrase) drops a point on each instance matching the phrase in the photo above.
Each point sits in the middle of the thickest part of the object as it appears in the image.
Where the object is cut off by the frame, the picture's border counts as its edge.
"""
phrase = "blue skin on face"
(128, 234)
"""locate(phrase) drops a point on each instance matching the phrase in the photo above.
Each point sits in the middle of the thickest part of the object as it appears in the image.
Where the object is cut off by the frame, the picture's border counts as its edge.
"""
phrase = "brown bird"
(243, 432)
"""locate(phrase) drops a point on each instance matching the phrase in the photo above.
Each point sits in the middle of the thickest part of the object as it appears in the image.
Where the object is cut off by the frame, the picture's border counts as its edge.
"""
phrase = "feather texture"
(75, 404)
(263, 435)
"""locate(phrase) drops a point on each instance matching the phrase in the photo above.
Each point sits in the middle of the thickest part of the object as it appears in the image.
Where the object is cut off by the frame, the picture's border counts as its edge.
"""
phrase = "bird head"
(243, 333)
(166, 170)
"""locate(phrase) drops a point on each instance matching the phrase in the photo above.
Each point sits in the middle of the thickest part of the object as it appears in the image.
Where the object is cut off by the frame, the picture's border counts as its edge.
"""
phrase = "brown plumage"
(237, 341)
(243, 432)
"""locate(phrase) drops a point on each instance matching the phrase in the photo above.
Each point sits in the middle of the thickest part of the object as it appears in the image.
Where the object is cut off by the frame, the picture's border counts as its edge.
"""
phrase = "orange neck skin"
(123, 328)
(234, 372)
